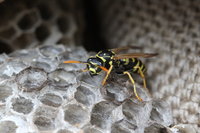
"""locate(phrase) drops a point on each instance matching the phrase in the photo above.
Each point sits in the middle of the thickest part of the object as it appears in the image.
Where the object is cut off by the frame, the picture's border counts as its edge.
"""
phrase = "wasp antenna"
(73, 61)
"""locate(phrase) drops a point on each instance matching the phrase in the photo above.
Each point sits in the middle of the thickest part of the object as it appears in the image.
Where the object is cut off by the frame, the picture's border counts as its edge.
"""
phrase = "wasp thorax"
(93, 64)
(105, 54)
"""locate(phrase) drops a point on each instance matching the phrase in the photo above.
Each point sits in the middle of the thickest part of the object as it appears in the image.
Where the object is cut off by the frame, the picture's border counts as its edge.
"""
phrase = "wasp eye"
(94, 61)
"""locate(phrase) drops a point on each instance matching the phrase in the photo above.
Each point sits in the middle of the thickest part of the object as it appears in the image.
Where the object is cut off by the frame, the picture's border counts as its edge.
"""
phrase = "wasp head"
(93, 64)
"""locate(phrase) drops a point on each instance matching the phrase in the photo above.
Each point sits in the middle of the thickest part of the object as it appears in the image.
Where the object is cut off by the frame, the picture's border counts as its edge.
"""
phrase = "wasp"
(110, 59)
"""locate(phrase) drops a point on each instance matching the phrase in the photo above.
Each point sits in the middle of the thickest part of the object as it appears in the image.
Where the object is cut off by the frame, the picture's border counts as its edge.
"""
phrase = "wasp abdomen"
(139, 65)
(130, 64)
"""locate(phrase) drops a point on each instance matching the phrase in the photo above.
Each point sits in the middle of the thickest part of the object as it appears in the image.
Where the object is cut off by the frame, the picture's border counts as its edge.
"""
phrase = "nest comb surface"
(41, 94)
(39, 22)
(170, 28)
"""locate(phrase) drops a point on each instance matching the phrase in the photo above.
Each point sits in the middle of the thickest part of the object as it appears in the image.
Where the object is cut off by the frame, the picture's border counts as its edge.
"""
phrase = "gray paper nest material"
(40, 93)
(27, 23)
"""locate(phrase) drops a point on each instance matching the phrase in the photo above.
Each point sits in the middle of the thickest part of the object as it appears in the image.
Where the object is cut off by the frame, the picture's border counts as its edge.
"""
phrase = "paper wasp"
(110, 59)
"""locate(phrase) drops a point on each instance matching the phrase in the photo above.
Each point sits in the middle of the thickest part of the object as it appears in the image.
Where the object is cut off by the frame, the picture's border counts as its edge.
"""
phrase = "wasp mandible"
(110, 59)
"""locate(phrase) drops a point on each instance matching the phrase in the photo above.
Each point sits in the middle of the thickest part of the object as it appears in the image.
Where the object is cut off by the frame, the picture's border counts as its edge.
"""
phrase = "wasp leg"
(84, 70)
(107, 74)
(103, 68)
(133, 82)
(142, 76)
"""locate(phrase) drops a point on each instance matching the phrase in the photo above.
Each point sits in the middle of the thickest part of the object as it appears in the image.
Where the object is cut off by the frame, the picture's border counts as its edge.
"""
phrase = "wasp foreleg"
(84, 70)
(107, 74)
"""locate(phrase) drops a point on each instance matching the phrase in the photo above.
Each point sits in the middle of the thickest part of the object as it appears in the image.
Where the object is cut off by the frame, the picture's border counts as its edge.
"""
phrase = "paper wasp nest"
(39, 22)
(41, 94)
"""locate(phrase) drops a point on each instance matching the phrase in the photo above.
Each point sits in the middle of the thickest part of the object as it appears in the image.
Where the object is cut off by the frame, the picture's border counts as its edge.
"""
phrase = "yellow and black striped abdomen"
(130, 64)
(138, 65)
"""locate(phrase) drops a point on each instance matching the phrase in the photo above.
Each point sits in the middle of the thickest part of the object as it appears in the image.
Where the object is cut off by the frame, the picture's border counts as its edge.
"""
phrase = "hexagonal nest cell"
(31, 23)
(22, 105)
(31, 79)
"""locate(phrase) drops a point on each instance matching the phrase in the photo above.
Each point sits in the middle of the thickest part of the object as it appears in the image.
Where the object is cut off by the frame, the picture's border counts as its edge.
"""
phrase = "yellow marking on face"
(95, 64)
(92, 70)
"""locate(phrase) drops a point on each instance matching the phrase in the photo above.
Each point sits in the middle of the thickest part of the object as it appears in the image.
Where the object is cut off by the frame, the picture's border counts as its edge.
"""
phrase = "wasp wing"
(135, 55)
(117, 50)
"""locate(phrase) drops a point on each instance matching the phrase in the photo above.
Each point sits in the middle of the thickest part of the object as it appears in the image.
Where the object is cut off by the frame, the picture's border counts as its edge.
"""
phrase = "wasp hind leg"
(107, 74)
(133, 82)
(142, 76)
(144, 80)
